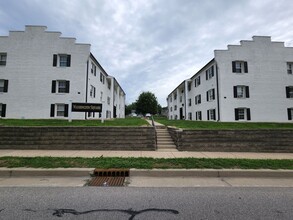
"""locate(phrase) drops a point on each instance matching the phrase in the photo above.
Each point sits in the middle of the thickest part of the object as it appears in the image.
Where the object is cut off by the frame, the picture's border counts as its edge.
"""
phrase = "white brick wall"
(267, 79)
(29, 69)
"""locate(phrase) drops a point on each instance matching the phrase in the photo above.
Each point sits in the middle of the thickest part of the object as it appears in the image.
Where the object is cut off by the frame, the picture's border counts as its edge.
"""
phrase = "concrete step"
(163, 135)
(164, 148)
(160, 127)
(164, 138)
(162, 132)
(165, 141)
(167, 150)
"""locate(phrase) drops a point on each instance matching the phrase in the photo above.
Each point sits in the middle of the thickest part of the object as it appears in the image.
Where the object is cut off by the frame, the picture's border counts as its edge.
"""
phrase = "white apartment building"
(252, 81)
(42, 73)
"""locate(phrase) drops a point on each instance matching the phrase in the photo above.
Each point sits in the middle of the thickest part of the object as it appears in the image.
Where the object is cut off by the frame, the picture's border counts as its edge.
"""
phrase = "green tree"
(129, 108)
(159, 109)
(147, 103)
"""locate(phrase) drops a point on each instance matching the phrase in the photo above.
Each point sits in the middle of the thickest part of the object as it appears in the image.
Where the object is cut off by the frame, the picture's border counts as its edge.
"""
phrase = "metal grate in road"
(107, 181)
(109, 177)
(112, 172)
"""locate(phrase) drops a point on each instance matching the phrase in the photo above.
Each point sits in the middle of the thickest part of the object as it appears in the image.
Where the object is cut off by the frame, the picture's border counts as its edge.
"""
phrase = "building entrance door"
(114, 112)
(181, 113)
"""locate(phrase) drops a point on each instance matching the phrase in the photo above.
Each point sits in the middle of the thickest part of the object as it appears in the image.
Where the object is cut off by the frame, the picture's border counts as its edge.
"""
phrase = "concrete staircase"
(164, 140)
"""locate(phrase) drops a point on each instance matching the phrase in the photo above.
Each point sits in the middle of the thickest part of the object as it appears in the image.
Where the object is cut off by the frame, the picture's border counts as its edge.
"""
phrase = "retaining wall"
(233, 140)
(78, 138)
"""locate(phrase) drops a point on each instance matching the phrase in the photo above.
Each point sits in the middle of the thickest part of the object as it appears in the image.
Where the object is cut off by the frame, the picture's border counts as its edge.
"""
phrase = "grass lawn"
(222, 125)
(144, 163)
(60, 122)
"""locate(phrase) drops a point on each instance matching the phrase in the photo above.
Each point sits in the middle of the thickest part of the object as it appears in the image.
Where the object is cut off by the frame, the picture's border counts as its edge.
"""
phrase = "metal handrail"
(153, 124)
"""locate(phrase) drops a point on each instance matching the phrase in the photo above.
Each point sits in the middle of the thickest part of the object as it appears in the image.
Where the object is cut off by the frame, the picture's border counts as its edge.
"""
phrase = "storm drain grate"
(109, 177)
(112, 172)
(107, 181)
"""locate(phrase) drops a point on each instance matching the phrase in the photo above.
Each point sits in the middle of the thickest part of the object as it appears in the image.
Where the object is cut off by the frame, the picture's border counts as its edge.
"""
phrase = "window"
(171, 109)
(290, 113)
(63, 60)
(2, 110)
(210, 73)
(175, 96)
(3, 57)
(102, 78)
(242, 114)
(189, 115)
(211, 114)
(289, 91)
(108, 114)
(210, 95)
(289, 67)
(197, 81)
(197, 99)
(61, 85)
(241, 91)
(170, 98)
(189, 102)
(3, 85)
(60, 110)
(198, 115)
(175, 107)
(108, 100)
(94, 69)
(239, 67)
(101, 98)
(189, 86)
(93, 91)
(181, 98)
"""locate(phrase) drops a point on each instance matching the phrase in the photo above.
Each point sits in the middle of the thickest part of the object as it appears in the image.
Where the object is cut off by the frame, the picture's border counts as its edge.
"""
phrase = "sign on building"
(86, 107)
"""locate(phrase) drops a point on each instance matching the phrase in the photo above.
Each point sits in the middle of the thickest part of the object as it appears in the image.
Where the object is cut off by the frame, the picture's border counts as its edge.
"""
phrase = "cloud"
(153, 45)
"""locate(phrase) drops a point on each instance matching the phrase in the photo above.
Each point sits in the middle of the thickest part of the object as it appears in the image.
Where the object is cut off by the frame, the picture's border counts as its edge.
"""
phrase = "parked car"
(148, 115)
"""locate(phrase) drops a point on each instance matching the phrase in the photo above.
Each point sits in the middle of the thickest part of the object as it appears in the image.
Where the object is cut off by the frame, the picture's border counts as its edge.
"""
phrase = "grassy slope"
(144, 163)
(223, 125)
(56, 122)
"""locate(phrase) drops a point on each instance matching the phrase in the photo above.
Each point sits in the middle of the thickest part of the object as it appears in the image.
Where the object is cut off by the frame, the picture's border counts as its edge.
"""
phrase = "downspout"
(185, 98)
(218, 96)
(86, 85)
(113, 94)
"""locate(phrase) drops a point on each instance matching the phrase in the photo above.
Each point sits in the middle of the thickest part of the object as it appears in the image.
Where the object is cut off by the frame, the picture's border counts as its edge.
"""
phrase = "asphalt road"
(145, 203)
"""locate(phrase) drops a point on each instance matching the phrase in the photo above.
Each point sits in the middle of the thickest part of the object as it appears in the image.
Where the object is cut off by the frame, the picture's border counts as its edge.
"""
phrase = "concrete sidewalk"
(153, 154)
(78, 177)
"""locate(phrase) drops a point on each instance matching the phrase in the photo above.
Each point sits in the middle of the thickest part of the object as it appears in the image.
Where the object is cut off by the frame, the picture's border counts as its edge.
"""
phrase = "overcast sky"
(153, 45)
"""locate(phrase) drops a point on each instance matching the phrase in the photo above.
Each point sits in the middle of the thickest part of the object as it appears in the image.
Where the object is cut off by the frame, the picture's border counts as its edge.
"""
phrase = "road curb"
(66, 172)
(81, 172)
(211, 173)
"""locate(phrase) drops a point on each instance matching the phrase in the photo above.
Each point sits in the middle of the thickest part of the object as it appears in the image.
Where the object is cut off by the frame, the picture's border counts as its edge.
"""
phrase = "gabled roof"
(93, 57)
(100, 66)
(205, 66)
